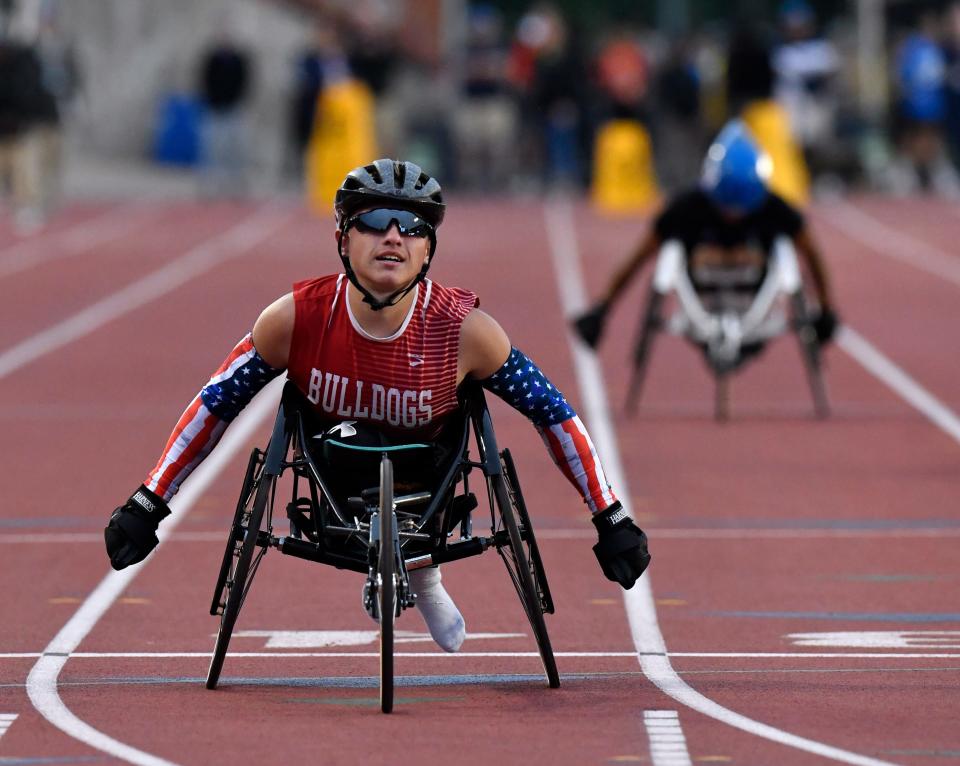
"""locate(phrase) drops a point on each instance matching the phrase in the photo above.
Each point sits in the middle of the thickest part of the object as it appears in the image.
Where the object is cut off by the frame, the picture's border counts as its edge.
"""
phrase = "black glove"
(824, 325)
(132, 531)
(589, 326)
(622, 550)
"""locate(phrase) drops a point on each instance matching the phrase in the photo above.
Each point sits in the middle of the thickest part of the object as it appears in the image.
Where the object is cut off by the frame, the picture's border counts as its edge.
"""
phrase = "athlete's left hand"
(622, 549)
(589, 326)
(825, 325)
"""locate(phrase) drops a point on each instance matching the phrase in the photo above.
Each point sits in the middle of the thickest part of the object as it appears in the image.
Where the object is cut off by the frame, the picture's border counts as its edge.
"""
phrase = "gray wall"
(132, 52)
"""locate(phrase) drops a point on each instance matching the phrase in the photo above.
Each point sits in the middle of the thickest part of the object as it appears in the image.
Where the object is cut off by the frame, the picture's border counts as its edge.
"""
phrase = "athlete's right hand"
(132, 531)
(589, 326)
(622, 547)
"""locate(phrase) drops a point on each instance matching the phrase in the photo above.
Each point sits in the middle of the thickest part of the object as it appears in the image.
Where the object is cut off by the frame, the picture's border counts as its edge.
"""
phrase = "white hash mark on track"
(668, 746)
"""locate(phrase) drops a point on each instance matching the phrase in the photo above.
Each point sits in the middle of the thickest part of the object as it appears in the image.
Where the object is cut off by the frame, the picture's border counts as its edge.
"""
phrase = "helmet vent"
(399, 174)
(421, 181)
(374, 172)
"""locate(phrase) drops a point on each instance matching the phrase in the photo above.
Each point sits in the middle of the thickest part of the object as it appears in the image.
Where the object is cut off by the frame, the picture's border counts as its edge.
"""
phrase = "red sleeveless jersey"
(405, 384)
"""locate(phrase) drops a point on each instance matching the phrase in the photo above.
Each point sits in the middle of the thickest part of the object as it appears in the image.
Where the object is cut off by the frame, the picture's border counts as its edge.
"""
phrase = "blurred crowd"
(38, 80)
(525, 101)
(527, 105)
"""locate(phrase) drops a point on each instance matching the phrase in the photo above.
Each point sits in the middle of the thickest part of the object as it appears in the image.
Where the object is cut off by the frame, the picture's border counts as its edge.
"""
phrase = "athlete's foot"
(441, 615)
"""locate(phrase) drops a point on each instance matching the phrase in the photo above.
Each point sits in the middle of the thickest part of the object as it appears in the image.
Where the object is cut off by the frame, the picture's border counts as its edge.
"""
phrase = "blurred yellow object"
(624, 180)
(770, 126)
(343, 138)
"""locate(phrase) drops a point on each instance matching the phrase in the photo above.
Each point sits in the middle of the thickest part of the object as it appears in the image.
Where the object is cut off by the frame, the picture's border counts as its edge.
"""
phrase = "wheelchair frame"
(382, 545)
(724, 335)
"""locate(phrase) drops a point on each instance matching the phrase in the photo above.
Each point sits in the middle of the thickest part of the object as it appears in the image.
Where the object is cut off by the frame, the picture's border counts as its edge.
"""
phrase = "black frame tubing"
(810, 351)
(650, 322)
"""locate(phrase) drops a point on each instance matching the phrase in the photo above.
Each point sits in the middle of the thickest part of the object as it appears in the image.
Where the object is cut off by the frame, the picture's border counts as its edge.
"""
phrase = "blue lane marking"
(358, 682)
(708, 523)
(40, 761)
(53, 522)
(849, 616)
(890, 578)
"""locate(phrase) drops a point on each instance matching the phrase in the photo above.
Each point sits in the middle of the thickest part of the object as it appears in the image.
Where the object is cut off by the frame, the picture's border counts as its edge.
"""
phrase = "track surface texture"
(801, 607)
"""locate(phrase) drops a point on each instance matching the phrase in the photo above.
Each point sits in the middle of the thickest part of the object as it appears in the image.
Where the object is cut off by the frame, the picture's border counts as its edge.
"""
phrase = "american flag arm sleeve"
(231, 388)
(521, 384)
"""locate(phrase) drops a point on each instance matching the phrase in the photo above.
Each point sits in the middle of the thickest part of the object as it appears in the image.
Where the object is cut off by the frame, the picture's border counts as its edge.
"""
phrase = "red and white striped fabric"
(572, 450)
(199, 429)
(405, 384)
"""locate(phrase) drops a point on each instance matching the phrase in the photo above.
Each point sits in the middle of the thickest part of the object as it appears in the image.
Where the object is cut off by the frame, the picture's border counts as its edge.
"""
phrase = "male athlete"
(730, 219)
(382, 344)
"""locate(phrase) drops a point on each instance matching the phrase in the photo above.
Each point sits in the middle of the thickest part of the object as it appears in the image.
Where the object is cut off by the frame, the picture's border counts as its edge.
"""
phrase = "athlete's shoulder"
(452, 302)
(316, 288)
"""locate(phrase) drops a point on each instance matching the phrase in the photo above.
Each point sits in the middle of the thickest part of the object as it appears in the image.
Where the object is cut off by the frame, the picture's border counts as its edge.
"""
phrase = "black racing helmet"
(393, 182)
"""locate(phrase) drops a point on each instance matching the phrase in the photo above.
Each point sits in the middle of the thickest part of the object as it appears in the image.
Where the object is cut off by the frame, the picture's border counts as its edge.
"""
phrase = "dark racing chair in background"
(730, 313)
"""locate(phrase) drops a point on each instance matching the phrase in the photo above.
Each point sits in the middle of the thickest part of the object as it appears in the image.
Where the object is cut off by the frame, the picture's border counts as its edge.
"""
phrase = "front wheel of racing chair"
(513, 534)
(239, 563)
(387, 550)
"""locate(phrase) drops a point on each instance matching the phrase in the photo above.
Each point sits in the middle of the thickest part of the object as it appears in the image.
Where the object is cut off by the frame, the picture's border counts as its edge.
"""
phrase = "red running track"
(765, 528)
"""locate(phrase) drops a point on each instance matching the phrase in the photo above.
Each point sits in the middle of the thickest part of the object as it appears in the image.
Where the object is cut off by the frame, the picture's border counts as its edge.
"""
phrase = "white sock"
(437, 609)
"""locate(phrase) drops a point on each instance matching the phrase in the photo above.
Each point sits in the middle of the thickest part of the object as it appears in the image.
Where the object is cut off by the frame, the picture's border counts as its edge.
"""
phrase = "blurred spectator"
(60, 74)
(555, 97)
(372, 38)
(921, 163)
(806, 67)
(623, 74)
(225, 86)
(951, 51)
(24, 105)
(749, 69)
(679, 131)
(343, 134)
(307, 84)
(370, 33)
(486, 120)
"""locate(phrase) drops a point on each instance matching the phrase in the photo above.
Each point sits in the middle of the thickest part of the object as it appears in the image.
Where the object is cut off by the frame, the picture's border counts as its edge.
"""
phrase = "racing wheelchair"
(730, 313)
(382, 510)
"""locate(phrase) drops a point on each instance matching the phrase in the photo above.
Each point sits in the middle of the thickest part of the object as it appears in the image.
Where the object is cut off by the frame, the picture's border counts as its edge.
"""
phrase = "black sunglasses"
(377, 221)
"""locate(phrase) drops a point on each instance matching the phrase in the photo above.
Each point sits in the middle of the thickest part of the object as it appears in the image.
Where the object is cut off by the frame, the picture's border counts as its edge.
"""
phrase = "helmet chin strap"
(395, 297)
(390, 300)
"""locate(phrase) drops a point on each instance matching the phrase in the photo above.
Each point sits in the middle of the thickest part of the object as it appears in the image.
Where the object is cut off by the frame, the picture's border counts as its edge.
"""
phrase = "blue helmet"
(735, 171)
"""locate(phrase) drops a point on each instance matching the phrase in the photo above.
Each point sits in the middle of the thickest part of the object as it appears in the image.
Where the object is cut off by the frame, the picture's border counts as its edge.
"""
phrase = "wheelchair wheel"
(526, 528)
(387, 590)
(522, 573)
(240, 564)
(236, 531)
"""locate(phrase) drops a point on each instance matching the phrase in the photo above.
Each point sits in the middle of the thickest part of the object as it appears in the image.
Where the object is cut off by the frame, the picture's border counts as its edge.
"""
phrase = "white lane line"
(452, 657)
(96, 538)
(668, 746)
(42, 680)
(81, 238)
(6, 721)
(639, 601)
(231, 243)
(878, 365)
(854, 223)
